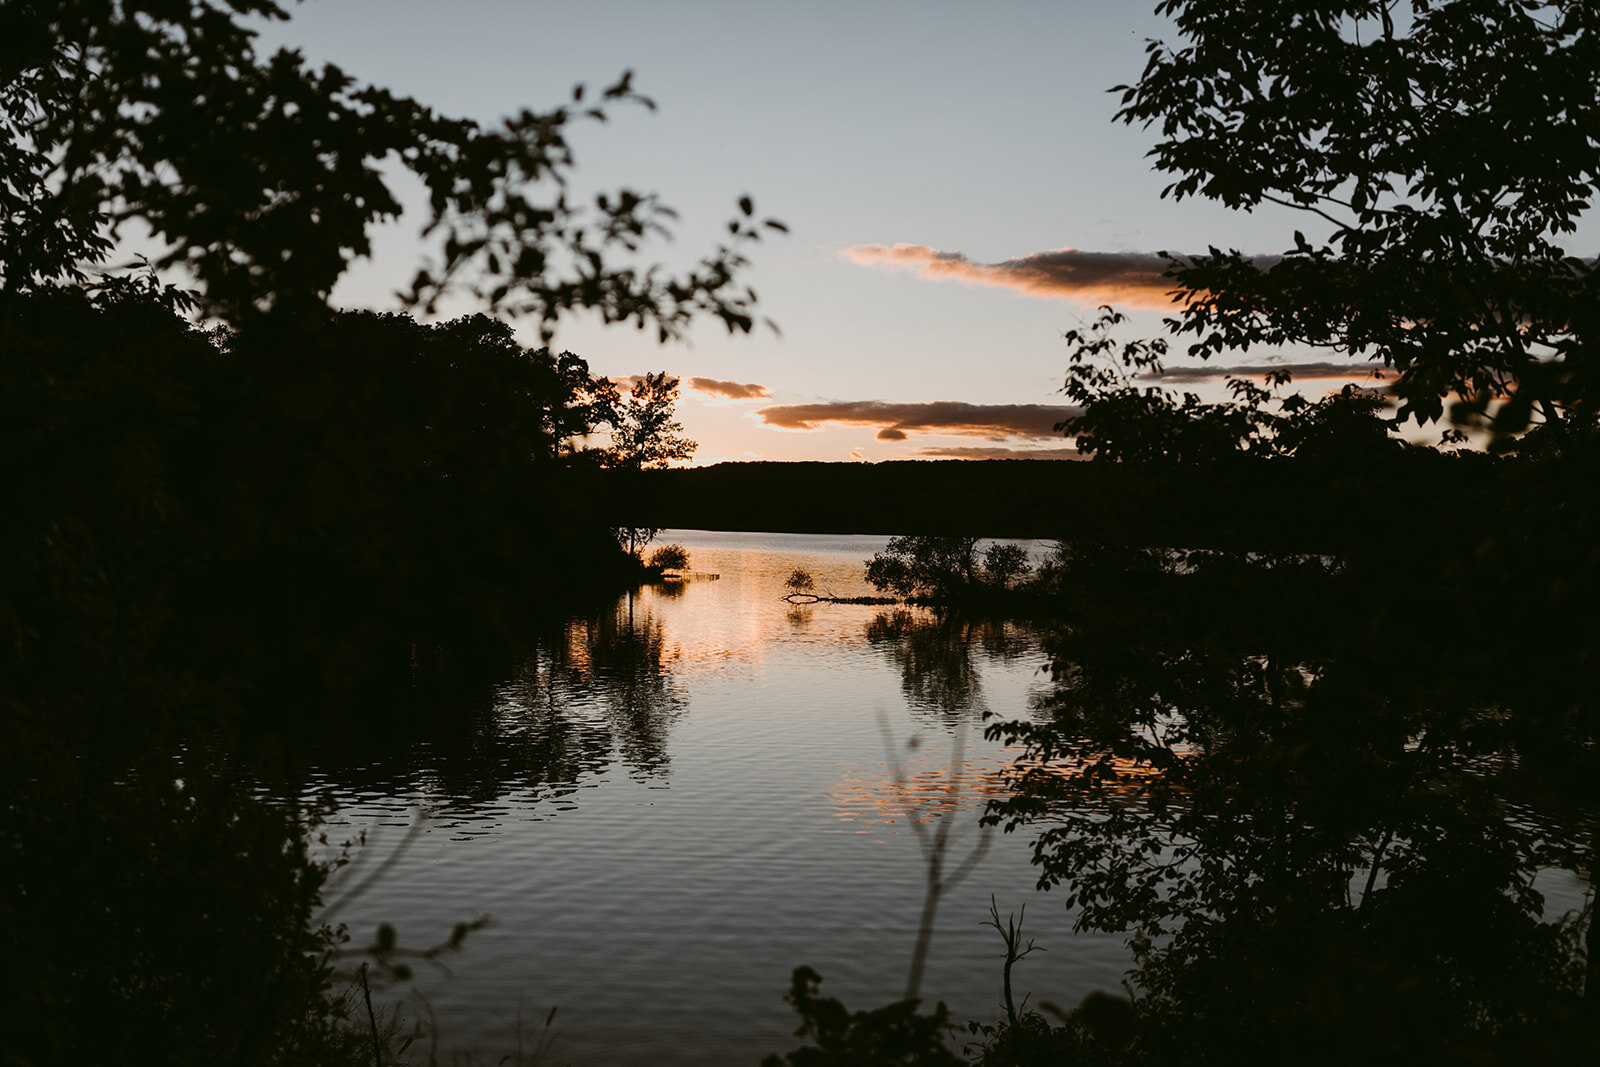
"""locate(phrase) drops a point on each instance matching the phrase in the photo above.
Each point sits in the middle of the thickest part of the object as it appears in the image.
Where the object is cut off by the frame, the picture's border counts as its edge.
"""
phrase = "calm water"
(669, 806)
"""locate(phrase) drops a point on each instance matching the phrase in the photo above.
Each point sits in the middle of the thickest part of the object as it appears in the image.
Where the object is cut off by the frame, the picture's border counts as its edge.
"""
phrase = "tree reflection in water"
(934, 652)
(167, 895)
(1320, 846)
(622, 659)
(585, 691)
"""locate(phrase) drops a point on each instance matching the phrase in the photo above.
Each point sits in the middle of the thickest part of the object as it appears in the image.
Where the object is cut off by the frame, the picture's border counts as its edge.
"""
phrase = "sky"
(956, 192)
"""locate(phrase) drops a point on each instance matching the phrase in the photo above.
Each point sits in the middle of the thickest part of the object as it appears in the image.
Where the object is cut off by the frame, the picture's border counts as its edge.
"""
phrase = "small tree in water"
(670, 558)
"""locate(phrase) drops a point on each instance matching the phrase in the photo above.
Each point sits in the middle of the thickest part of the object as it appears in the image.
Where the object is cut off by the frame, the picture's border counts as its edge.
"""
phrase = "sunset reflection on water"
(681, 795)
(871, 794)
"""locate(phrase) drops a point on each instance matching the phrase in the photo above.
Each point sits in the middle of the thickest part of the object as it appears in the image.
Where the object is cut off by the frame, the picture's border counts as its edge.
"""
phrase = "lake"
(674, 801)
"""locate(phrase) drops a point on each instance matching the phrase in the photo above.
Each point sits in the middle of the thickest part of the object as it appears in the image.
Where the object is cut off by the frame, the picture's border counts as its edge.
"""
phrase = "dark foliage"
(1314, 791)
(1443, 147)
(925, 566)
(896, 1034)
(163, 913)
(211, 536)
(261, 175)
(1294, 788)
(215, 543)
(1126, 422)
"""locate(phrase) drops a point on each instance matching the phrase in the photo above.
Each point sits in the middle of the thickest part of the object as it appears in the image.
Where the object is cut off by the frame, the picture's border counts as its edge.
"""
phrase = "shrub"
(1003, 564)
(670, 557)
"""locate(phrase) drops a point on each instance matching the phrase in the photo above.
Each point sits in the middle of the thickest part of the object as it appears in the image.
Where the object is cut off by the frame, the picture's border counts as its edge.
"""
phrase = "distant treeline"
(1278, 504)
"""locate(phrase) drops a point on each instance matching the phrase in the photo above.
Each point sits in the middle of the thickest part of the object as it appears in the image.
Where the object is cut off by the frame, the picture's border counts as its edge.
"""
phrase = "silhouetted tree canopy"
(1123, 419)
(261, 176)
(1295, 787)
(1442, 146)
(218, 543)
(1289, 797)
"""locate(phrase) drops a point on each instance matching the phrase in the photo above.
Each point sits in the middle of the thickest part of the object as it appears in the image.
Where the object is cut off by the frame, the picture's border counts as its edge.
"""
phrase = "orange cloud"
(995, 422)
(1126, 278)
(729, 390)
(1129, 279)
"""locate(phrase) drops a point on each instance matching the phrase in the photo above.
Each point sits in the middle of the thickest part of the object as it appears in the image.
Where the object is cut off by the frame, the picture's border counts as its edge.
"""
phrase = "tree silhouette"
(644, 430)
(925, 566)
(1289, 800)
(1124, 420)
(261, 176)
(1442, 146)
(225, 540)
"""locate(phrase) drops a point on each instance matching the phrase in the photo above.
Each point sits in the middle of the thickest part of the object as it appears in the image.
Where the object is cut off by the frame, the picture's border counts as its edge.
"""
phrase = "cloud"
(728, 390)
(1129, 279)
(1303, 372)
(994, 422)
(968, 452)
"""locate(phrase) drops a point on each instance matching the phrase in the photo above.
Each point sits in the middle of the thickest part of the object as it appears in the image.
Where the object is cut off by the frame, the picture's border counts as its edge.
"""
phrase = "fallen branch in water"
(803, 590)
(822, 598)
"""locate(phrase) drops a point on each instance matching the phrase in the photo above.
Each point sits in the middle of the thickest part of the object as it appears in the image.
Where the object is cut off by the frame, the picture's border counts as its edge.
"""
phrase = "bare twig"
(1011, 934)
(372, 1019)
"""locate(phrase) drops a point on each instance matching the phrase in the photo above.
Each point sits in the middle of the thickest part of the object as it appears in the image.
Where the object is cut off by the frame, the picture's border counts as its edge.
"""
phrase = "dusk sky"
(957, 195)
